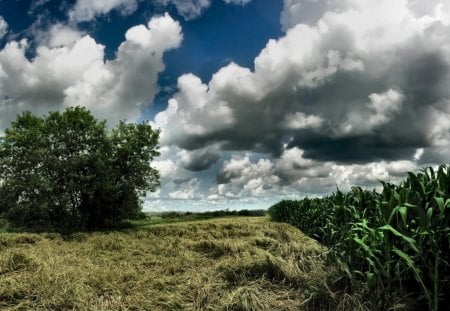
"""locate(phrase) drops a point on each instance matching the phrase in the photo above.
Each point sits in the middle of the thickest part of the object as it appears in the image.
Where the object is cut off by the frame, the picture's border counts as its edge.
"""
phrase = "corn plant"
(395, 239)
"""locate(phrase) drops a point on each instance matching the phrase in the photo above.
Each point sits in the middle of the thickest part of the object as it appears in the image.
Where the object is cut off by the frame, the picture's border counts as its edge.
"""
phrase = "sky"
(256, 100)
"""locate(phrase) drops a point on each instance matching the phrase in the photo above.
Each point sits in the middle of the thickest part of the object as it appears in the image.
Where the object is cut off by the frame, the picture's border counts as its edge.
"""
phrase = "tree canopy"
(67, 171)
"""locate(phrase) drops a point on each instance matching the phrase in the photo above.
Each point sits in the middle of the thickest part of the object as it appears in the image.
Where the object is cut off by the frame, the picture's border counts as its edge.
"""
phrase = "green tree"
(66, 171)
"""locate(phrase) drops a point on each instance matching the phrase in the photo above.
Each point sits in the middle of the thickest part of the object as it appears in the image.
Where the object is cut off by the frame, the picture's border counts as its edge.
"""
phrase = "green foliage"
(394, 240)
(212, 214)
(65, 171)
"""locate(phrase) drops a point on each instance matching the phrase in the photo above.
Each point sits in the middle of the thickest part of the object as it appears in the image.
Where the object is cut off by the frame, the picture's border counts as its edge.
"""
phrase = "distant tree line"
(67, 171)
(213, 214)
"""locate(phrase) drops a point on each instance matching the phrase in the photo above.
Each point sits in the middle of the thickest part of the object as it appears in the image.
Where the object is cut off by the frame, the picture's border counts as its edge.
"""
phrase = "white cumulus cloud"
(86, 10)
(352, 92)
(3, 27)
(189, 9)
(346, 77)
(299, 120)
(71, 70)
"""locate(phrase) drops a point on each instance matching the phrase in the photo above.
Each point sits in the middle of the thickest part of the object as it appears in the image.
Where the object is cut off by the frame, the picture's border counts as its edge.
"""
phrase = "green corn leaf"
(408, 260)
(429, 215)
(402, 210)
(410, 263)
(403, 214)
(431, 170)
(422, 217)
(364, 246)
(371, 280)
(441, 204)
(411, 242)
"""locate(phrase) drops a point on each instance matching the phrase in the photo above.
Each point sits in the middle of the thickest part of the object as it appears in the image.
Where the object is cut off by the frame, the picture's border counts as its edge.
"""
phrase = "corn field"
(394, 240)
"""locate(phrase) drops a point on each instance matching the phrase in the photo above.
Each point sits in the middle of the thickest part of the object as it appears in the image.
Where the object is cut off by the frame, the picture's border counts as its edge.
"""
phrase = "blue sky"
(256, 100)
(224, 33)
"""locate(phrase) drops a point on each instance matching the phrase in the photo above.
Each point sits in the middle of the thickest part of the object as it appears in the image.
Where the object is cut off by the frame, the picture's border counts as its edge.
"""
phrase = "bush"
(66, 171)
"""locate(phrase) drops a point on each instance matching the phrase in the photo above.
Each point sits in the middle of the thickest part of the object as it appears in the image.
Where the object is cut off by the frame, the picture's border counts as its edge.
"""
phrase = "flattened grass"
(233, 263)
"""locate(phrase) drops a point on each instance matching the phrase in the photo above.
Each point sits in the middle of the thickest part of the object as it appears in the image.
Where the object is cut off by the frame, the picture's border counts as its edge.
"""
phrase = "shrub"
(65, 171)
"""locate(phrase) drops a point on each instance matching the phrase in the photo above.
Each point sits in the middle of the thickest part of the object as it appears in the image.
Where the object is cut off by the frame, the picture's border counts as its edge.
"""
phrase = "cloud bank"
(353, 92)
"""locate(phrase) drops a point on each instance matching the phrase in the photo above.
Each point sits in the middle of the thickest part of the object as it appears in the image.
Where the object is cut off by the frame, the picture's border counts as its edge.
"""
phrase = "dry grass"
(219, 264)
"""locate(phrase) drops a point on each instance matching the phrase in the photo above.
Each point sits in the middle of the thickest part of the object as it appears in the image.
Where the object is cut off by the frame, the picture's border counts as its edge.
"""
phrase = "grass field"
(232, 263)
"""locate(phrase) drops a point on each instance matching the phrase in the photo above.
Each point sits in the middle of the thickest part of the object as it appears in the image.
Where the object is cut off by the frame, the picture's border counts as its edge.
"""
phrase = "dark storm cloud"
(225, 177)
(353, 92)
(200, 160)
(350, 90)
(435, 155)
(423, 78)
(180, 181)
(357, 149)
